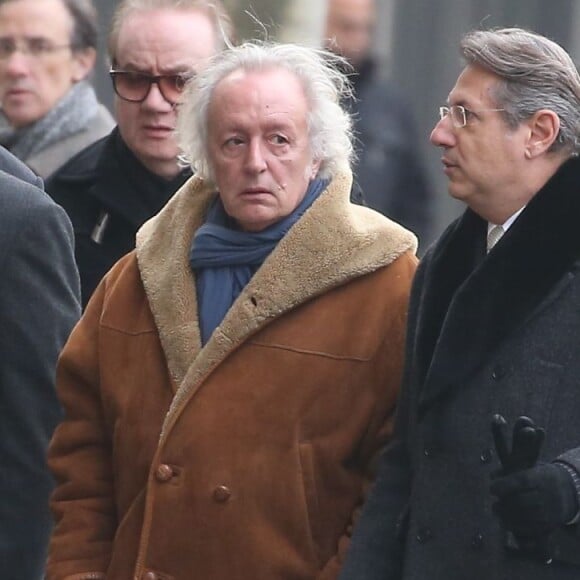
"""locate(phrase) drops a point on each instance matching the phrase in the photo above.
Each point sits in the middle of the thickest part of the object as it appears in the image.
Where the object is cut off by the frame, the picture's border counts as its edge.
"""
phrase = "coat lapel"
(332, 243)
(471, 306)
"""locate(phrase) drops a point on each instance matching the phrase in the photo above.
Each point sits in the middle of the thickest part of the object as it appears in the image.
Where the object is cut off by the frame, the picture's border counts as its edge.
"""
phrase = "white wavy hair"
(329, 124)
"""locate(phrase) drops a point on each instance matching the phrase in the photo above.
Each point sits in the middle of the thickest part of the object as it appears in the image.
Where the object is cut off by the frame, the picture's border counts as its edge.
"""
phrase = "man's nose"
(442, 134)
(256, 159)
(17, 64)
(156, 101)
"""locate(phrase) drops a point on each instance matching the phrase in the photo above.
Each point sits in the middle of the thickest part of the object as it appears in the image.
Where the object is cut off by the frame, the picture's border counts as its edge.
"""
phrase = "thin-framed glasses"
(460, 115)
(135, 86)
(36, 47)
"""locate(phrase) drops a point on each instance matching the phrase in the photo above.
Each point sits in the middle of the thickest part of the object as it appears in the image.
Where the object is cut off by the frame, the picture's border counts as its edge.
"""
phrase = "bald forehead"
(272, 89)
(183, 35)
(162, 22)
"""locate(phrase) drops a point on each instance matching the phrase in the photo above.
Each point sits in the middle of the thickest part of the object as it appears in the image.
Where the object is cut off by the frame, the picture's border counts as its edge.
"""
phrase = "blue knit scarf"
(224, 259)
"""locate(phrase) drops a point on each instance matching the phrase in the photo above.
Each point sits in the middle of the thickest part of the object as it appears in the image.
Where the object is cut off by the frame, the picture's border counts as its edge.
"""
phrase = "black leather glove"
(527, 440)
(534, 502)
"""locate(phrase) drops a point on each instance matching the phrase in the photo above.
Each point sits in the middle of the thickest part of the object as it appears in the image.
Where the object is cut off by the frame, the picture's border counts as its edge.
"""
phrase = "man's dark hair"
(85, 30)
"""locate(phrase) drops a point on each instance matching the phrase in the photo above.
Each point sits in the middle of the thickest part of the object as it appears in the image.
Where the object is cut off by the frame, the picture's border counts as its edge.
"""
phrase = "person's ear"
(83, 63)
(315, 166)
(544, 128)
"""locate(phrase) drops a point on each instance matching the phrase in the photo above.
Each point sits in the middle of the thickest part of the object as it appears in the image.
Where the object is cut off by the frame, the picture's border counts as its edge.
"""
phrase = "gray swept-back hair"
(535, 72)
(85, 23)
(214, 9)
(329, 125)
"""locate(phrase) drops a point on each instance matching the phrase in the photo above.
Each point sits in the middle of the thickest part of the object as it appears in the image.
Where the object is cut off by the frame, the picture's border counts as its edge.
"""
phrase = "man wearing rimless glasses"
(111, 188)
(49, 110)
(481, 480)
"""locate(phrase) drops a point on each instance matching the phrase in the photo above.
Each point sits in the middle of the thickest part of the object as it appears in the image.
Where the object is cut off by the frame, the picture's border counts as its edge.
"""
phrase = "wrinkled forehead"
(475, 87)
(249, 100)
(273, 83)
(188, 33)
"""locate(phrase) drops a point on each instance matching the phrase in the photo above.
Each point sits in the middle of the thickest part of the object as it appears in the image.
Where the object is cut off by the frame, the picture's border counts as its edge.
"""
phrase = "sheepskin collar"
(334, 242)
(471, 302)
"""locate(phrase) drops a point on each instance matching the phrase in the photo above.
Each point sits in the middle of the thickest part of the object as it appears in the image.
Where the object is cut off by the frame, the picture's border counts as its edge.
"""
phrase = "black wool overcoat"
(108, 194)
(495, 333)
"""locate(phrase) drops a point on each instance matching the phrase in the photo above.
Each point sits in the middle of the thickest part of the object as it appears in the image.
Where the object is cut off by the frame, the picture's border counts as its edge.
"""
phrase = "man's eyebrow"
(178, 70)
(173, 70)
(458, 102)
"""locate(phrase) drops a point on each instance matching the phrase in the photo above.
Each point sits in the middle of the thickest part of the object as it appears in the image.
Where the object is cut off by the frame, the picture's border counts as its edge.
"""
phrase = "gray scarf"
(69, 116)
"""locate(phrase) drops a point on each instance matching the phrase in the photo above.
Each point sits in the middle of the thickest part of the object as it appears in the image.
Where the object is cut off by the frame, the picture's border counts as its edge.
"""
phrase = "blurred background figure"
(389, 170)
(49, 110)
(111, 188)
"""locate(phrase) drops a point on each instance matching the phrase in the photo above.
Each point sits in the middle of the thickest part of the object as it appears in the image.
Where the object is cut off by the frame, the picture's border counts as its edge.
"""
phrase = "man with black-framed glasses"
(49, 111)
(111, 188)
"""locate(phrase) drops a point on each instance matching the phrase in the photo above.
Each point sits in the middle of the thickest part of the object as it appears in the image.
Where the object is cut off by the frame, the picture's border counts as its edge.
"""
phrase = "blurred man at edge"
(39, 304)
(49, 109)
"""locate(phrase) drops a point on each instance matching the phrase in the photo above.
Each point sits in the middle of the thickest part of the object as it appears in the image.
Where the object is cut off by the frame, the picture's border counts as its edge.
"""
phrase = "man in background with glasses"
(49, 111)
(482, 478)
(111, 188)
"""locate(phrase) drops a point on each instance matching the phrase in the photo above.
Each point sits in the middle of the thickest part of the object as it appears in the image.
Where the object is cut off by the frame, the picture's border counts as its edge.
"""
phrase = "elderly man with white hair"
(233, 378)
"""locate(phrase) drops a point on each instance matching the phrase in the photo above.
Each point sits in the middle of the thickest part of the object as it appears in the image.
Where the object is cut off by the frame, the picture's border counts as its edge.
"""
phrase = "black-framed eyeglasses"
(134, 86)
(460, 115)
(36, 47)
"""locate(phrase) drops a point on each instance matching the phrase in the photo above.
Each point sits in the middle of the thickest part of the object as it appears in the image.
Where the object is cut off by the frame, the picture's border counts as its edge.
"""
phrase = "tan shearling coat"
(245, 459)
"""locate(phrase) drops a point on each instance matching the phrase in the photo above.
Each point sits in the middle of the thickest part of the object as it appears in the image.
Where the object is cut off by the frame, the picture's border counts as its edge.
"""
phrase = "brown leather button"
(150, 576)
(163, 473)
(222, 493)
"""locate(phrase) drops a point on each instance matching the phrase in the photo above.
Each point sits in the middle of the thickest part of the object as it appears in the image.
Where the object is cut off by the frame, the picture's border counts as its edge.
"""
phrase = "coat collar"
(109, 173)
(123, 184)
(332, 243)
(471, 302)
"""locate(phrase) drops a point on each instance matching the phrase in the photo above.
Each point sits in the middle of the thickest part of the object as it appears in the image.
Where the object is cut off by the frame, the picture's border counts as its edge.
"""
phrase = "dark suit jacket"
(496, 333)
(39, 304)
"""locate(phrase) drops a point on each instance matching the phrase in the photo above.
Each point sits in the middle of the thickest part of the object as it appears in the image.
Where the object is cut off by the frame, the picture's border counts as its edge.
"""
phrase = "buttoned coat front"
(495, 333)
(244, 459)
